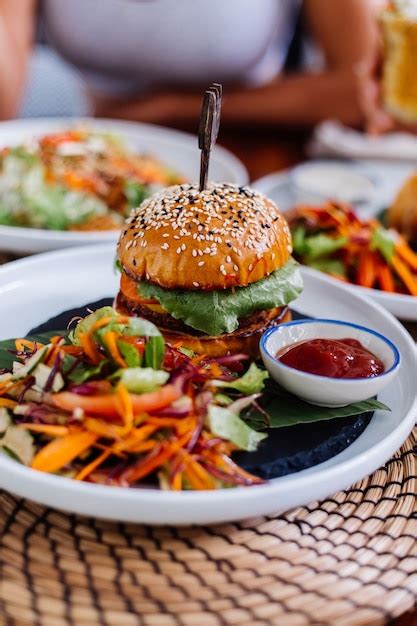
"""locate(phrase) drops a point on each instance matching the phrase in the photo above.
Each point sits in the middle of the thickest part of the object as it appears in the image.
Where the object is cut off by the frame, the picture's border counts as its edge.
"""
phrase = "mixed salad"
(76, 180)
(333, 239)
(112, 403)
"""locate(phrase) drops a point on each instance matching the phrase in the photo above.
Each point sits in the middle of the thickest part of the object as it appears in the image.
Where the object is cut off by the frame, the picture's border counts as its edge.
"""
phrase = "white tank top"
(130, 46)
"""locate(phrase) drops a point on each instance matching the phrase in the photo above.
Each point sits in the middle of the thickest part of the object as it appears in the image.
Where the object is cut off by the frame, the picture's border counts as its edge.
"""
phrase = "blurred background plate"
(178, 150)
(387, 178)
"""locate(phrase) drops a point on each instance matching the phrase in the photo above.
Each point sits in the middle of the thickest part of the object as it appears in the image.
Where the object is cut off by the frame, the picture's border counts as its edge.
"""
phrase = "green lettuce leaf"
(251, 382)
(135, 193)
(229, 426)
(217, 312)
(87, 322)
(321, 245)
(27, 199)
(129, 353)
(331, 266)
(83, 373)
(154, 352)
(134, 327)
(383, 241)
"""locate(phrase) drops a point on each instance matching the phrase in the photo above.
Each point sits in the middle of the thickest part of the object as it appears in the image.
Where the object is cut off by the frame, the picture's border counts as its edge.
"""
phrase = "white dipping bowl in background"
(324, 390)
(317, 181)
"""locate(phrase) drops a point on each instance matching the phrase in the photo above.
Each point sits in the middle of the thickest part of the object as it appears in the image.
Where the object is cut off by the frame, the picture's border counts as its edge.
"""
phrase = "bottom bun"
(243, 340)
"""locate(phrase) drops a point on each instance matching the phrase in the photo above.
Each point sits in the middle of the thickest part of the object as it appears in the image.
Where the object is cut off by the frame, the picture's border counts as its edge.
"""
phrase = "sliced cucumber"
(42, 373)
(143, 379)
(20, 443)
(28, 367)
(5, 420)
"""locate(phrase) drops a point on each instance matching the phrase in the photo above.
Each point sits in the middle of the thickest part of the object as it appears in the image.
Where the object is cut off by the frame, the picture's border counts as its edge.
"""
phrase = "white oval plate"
(388, 177)
(176, 149)
(32, 290)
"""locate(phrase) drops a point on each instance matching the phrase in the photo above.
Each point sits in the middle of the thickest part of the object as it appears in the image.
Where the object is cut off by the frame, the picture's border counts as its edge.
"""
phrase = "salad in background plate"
(76, 180)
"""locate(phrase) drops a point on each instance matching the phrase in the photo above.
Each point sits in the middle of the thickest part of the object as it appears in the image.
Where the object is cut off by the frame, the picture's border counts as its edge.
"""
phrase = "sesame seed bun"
(222, 237)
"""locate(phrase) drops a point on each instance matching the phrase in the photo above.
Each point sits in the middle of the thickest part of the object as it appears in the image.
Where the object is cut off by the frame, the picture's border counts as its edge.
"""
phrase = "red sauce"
(335, 358)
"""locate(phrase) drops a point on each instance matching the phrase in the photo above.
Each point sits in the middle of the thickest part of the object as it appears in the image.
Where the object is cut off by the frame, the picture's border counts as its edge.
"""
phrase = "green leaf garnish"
(383, 241)
(331, 266)
(154, 352)
(135, 193)
(231, 427)
(321, 245)
(285, 409)
(251, 382)
(82, 373)
(129, 353)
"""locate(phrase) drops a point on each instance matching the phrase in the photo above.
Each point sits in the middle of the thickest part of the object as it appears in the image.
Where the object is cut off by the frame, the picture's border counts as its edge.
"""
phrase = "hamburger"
(402, 214)
(212, 269)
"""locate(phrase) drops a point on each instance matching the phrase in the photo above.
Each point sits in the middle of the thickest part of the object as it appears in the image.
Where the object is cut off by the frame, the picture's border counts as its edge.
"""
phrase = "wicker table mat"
(349, 560)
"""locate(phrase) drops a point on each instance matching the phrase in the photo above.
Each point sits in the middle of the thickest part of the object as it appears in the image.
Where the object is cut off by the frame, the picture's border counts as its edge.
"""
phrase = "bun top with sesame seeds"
(221, 237)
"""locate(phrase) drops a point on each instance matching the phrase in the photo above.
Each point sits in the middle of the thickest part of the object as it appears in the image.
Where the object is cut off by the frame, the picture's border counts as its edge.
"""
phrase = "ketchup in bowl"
(334, 358)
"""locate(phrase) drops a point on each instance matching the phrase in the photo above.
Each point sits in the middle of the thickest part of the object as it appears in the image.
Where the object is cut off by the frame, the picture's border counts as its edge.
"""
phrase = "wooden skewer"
(208, 128)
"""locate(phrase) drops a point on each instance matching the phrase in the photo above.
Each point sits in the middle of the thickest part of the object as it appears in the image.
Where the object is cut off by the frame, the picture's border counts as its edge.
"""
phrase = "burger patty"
(166, 321)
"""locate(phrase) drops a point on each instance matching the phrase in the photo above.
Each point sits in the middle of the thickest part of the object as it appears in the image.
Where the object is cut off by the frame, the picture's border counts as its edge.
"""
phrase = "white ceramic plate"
(32, 290)
(177, 149)
(388, 177)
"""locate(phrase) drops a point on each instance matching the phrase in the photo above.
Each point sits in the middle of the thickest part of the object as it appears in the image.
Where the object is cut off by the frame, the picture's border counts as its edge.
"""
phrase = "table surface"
(264, 153)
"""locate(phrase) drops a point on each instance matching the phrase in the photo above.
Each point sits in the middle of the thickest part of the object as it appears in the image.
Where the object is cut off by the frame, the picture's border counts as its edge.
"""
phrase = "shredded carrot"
(135, 437)
(61, 451)
(100, 427)
(366, 269)
(385, 277)
(197, 359)
(110, 339)
(90, 348)
(176, 483)
(407, 254)
(106, 405)
(163, 421)
(198, 476)
(73, 350)
(8, 404)
(47, 429)
(8, 386)
(121, 319)
(25, 343)
(405, 274)
(144, 446)
(124, 403)
(88, 469)
(148, 465)
(54, 350)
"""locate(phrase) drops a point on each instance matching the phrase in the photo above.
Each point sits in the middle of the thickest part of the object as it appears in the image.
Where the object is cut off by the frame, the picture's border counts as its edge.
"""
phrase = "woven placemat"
(349, 560)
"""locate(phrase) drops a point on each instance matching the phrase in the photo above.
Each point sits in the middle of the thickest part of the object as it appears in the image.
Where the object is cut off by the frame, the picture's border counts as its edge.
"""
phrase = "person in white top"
(150, 59)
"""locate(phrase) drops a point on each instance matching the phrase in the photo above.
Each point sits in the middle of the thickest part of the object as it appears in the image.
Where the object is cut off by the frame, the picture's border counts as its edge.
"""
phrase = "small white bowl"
(323, 390)
(315, 181)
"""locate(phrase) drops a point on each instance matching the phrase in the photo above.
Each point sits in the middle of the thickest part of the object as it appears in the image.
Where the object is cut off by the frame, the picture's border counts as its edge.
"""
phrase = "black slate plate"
(286, 450)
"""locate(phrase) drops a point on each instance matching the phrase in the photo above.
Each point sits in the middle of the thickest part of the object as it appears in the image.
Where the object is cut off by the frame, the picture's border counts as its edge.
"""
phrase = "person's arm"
(345, 32)
(16, 33)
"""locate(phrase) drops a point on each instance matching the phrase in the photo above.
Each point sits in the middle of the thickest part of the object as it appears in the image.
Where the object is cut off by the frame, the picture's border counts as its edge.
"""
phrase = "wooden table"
(267, 152)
